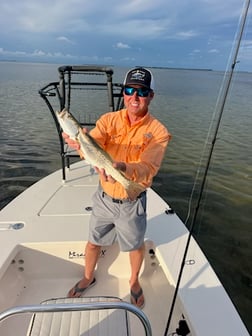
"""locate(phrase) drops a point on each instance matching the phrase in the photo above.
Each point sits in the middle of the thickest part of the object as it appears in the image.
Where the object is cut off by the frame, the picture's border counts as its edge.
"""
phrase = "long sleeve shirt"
(141, 146)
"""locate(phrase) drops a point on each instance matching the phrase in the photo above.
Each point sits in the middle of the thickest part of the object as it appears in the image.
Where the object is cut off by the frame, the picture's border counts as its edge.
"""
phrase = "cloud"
(128, 59)
(36, 53)
(247, 44)
(134, 18)
(215, 51)
(121, 45)
(245, 53)
(139, 28)
(64, 39)
(186, 34)
(39, 53)
(5, 53)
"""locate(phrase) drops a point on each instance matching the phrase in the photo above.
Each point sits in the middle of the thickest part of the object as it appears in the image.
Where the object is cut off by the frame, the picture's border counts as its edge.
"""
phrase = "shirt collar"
(141, 121)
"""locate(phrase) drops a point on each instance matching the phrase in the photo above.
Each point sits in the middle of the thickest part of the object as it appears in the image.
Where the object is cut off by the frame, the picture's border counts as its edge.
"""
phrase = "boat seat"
(80, 323)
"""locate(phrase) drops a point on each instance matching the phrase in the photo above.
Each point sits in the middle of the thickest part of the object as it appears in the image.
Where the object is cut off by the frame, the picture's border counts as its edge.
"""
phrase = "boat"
(43, 232)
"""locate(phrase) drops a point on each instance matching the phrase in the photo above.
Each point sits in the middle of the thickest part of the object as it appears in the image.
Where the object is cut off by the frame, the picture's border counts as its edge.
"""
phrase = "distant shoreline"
(112, 65)
(150, 67)
(175, 68)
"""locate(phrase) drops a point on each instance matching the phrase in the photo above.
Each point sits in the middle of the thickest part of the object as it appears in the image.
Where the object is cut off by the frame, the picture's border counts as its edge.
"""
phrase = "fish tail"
(133, 190)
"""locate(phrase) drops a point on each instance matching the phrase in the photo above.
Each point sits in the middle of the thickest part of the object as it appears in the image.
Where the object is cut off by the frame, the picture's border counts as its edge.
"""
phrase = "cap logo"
(139, 75)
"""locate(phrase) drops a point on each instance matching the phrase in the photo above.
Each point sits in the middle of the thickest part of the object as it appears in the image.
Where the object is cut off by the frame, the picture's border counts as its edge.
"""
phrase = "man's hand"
(120, 166)
(108, 178)
(104, 177)
(72, 143)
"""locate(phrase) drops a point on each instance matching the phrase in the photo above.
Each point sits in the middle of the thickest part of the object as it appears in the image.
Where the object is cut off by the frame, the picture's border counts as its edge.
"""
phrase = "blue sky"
(182, 33)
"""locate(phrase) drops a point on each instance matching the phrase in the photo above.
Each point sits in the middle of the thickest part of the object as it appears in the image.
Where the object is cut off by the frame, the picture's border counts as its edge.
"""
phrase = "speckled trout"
(94, 154)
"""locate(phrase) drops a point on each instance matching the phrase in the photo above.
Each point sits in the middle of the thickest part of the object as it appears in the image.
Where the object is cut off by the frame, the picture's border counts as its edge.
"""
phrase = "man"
(137, 142)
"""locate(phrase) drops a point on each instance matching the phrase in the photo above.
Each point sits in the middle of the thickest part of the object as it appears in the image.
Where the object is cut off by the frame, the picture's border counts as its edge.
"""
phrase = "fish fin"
(134, 190)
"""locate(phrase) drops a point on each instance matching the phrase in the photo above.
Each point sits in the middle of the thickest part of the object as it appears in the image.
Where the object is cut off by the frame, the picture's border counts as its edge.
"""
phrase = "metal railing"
(59, 95)
(63, 307)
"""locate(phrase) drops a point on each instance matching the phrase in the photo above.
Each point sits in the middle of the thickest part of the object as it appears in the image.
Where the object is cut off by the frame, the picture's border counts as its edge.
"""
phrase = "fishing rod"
(224, 90)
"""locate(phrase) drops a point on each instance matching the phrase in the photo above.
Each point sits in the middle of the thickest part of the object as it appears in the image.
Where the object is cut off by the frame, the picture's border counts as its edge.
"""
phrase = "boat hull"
(43, 234)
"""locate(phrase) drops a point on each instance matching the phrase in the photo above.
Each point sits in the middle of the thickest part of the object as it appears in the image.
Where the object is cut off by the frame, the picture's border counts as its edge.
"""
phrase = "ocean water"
(186, 102)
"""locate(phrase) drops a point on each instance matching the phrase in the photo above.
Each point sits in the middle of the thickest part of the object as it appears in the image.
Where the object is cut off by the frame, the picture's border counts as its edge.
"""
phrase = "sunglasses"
(141, 92)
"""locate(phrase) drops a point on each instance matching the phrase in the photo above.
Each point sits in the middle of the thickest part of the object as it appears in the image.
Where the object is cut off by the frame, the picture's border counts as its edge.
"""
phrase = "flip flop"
(77, 289)
(136, 296)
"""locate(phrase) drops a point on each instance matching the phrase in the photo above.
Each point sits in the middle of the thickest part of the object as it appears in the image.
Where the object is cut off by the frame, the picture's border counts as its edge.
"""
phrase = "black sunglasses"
(141, 92)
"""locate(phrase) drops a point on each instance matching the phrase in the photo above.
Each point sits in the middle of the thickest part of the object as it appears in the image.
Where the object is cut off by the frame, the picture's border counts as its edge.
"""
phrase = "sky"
(161, 33)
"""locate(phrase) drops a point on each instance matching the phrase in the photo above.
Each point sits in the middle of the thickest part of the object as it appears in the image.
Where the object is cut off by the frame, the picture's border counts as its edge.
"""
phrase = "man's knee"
(92, 246)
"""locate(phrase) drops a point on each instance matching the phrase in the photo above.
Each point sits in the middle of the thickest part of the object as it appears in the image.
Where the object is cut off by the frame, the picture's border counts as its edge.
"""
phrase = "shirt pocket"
(115, 139)
(137, 148)
(115, 148)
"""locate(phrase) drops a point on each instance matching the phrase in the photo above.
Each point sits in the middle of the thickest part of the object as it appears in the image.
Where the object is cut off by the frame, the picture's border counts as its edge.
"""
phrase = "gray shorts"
(111, 221)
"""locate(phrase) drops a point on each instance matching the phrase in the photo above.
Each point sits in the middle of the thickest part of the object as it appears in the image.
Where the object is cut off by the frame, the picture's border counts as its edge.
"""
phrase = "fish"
(94, 154)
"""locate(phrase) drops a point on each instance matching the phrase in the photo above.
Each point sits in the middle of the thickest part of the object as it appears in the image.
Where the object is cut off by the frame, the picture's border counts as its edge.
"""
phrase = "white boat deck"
(44, 259)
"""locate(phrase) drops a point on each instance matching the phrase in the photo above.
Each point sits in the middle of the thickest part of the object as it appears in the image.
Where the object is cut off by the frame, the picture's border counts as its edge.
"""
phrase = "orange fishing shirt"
(141, 146)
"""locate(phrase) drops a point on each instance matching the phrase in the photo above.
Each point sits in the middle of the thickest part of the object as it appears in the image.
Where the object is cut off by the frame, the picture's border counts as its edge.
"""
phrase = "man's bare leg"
(136, 260)
(92, 253)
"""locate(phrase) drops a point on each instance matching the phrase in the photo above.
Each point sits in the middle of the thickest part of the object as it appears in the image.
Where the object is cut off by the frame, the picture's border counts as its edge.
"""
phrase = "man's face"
(135, 103)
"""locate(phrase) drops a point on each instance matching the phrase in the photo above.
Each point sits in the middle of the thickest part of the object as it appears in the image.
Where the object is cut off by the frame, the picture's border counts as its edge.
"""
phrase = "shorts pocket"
(141, 209)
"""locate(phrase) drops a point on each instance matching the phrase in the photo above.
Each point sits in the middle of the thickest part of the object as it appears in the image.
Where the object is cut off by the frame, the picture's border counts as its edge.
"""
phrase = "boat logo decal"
(76, 255)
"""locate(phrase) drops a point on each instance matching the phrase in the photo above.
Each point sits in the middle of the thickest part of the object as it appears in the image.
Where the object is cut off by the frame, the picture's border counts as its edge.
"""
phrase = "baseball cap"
(139, 76)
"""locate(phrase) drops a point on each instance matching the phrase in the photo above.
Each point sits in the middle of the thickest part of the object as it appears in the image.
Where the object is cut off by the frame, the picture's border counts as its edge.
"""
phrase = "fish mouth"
(62, 114)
